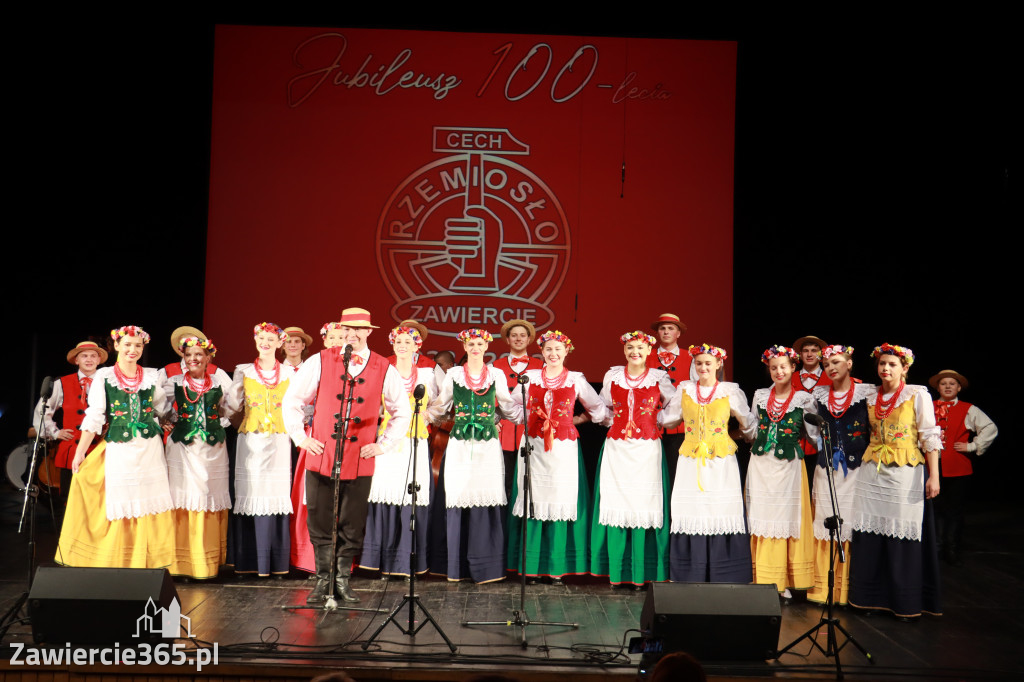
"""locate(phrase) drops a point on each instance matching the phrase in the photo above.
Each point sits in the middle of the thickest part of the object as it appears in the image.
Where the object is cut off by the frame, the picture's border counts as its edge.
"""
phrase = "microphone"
(419, 392)
(348, 353)
(523, 379)
(814, 419)
(47, 389)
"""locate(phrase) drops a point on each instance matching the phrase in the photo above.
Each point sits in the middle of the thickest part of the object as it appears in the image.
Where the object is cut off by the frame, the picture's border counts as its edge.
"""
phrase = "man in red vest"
(69, 396)
(177, 368)
(375, 381)
(518, 334)
(810, 375)
(666, 356)
(957, 419)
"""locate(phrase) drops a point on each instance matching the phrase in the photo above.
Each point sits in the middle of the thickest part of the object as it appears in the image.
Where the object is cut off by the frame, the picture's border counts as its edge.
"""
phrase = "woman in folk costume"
(259, 539)
(388, 543)
(629, 536)
(778, 504)
(842, 404)
(197, 462)
(897, 565)
(118, 512)
(709, 540)
(302, 556)
(559, 525)
(467, 536)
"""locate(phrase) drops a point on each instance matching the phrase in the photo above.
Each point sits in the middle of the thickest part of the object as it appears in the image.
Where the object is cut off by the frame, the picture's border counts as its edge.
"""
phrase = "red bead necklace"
(410, 381)
(275, 375)
(701, 400)
(883, 408)
(632, 383)
(126, 383)
(558, 381)
(777, 410)
(834, 407)
(197, 388)
(481, 384)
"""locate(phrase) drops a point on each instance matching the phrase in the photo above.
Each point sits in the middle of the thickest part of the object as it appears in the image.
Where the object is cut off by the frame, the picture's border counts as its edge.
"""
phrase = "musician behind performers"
(70, 397)
(376, 381)
(518, 334)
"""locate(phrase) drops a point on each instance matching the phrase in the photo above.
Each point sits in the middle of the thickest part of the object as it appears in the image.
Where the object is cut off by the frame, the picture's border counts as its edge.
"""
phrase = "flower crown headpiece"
(129, 330)
(778, 352)
(708, 349)
(467, 334)
(836, 349)
(555, 335)
(271, 328)
(902, 352)
(414, 333)
(637, 336)
(328, 327)
(194, 341)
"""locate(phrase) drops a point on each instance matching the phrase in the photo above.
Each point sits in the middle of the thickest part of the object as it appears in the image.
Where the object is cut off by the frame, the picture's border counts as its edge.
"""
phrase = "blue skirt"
(259, 544)
(388, 541)
(710, 558)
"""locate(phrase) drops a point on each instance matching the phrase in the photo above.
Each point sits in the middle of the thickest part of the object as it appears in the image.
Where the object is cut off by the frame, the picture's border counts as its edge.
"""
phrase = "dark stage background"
(875, 189)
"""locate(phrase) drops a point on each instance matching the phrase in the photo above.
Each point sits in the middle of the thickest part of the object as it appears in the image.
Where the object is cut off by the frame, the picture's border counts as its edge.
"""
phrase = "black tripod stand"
(340, 436)
(834, 524)
(411, 599)
(520, 618)
(28, 511)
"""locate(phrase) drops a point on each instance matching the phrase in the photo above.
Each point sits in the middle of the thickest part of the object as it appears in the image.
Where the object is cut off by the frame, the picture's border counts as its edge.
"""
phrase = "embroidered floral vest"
(556, 417)
(474, 413)
(894, 439)
(130, 415)
(199, 419)
(781, 438)
(853, 433)
(422, 421)
(707, 424)
(639, 420)
(262, 407)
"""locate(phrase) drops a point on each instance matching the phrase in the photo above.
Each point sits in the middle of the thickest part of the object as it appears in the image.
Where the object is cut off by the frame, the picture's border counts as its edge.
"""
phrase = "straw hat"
(87, 345)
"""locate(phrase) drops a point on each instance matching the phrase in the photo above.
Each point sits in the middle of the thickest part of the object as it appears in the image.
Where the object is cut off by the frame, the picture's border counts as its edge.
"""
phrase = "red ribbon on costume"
(357, 360)
(666, 358)
(547, 428)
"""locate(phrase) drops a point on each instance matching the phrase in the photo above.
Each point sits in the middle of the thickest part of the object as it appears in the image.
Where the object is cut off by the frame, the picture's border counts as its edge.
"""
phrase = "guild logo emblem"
(473, 239)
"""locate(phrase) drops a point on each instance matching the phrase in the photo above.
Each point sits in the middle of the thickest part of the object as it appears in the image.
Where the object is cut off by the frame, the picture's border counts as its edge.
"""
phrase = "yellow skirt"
(88, 539)
(841, 591)
(787, 562)
(200, 542)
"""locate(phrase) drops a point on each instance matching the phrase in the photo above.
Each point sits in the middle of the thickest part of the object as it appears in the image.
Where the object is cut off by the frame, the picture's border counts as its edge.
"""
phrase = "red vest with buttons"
(365, 410)
(511, 432)
(73, 408)
(951, 462)
(677, 371)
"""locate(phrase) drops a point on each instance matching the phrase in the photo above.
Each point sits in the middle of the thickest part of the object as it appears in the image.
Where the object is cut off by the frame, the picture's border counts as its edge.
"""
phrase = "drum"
(17, 463)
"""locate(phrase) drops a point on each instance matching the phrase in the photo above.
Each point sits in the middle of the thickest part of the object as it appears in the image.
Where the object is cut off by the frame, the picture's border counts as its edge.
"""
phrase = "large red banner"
(585, 184)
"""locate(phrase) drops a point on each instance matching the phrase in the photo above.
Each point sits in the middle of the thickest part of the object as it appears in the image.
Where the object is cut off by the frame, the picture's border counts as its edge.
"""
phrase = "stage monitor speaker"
(103, 606)
(714, 622)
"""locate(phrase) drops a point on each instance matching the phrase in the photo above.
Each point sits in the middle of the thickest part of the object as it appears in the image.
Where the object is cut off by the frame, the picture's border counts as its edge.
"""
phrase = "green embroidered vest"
(200, 418)
(130, 414)
(781, 438)
(474, 414)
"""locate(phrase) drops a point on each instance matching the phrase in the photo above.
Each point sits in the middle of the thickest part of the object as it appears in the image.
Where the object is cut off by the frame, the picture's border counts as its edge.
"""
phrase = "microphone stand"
(834, 524)
(411, 599)
(340, 436)
(28, 511)
(520, 618)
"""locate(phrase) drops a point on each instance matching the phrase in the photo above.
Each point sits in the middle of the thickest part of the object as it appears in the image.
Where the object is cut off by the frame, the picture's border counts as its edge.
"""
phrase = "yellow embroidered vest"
(422, 426)
(894, 439)
(263, 407)
(708, 424)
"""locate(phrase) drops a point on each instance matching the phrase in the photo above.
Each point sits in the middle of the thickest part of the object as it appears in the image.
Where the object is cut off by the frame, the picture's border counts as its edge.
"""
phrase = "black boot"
(322, 556)
(341, 578)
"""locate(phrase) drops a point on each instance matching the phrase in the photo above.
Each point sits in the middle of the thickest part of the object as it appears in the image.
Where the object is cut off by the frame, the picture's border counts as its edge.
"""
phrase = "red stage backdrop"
(585, 184)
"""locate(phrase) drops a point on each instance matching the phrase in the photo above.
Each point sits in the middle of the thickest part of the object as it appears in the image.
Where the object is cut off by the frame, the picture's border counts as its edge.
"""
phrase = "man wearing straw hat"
(518, 334)
(668, 328)
(958, 420)
(177, 368)
(295, 348)
(69, 396)
(375, 382)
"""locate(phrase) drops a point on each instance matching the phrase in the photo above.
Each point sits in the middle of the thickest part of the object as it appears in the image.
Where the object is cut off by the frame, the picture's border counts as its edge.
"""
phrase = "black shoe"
(318, 593)
(343, 590)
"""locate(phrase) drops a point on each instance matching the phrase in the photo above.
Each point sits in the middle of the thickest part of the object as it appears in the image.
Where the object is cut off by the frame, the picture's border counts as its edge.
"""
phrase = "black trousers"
(352, 510)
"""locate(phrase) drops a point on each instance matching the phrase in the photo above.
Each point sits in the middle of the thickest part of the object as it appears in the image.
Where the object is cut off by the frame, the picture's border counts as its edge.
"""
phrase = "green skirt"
(630, 555)
(553, 548)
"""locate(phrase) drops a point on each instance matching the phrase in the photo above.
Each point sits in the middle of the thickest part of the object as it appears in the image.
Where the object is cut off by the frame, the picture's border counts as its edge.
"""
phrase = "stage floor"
(977, 637)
